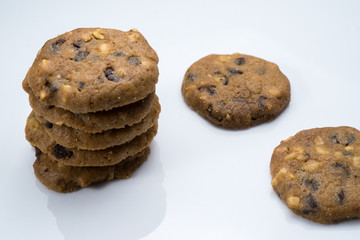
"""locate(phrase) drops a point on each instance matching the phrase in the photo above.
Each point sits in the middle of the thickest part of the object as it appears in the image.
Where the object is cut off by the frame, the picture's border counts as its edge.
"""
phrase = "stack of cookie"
(95, 110)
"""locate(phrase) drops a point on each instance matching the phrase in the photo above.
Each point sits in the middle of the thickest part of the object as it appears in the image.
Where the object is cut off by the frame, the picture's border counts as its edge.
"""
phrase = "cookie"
(89, 70)
(61, 178)
(37, 136)
(73, 138)
(93, 122)
(317, 173)
(236, 91)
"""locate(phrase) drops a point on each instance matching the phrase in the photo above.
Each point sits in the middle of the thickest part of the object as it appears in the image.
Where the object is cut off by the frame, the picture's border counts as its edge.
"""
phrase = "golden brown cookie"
(37, 136)
(89, 70)
(93, 122)
(236, 91)
(73, 138)
(61, 178)
(317, 173)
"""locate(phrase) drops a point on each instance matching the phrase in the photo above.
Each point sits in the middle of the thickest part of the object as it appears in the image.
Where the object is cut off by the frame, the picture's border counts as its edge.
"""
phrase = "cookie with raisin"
(236, 91)
(94, 69)
(62, 178)
(316, 173)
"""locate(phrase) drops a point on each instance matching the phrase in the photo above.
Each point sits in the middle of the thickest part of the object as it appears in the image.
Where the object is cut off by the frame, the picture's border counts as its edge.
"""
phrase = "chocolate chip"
(341, 196)
(118, 54)
(311, 201)
(217, 73)
(78, 44)
(350, 139)
(334, 138)
(235, 72)
(49, 125)
(209, 88)
(239, 61)
(210, 111)
(191, 77)
(51, 106)
(346, 153)
(311, 183)
(81, 56)
(225, 81)
(38, 152)
(110, 75)
(61, 152)
(81, 85)
(240, 100)
(56, 45)
(262, 102)
(47, 84)
(134, 61)
(345, 170)
(53, 89)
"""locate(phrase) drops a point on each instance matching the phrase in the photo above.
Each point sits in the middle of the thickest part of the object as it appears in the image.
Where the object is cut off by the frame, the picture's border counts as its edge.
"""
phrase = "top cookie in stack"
(94, 105)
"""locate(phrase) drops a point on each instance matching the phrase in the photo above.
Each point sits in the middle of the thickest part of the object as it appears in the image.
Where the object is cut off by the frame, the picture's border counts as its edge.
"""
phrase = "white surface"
(200, 182)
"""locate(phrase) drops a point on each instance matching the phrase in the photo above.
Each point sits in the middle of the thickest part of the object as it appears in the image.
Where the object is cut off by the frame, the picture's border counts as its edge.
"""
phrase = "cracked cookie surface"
(236, 91)
(90, 69)
(317, 173)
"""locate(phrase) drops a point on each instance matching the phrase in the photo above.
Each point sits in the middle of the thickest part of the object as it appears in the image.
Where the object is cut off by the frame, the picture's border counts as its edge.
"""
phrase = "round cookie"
(89, 70)
(37, 136)
(317, 173)
(73, 138)
(93, 122)
(61, 178)
(236, 91)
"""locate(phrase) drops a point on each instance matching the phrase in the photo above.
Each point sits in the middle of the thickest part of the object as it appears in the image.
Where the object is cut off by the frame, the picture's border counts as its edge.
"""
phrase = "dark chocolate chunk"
(134, 61)
(209, 88)
(240, 100)
(81, 56)
(49, 125)
(51, 106)
(81, 85)
(118, 54)
(311, 201)
(57, 44)
(61, 152)
(262, 102)
(53, 89)
(344, 170)
(210, 110)
(239, 61)
(334, 138)
(346, 153)
(311, 183)
(235, 72)
(191, 77)
(225, 81)
(38, 152)
(350, 139)
(78, 44)
(110, 75)
(47, 84)
(217, 72)
(341, 196)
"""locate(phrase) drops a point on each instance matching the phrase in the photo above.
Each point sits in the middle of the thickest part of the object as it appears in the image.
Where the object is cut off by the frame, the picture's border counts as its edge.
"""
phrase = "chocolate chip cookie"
(89, 70)
(93, 122)
(61, 178)
(317, 173)
(236, 91)
(37, 136)
(73, 138)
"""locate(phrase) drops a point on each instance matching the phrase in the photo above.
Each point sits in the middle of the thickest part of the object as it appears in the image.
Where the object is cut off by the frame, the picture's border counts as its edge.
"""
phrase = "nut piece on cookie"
(236, 91)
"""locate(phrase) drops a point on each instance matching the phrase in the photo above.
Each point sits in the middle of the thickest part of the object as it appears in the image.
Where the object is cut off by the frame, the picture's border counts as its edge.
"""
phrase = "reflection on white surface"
(121, 209)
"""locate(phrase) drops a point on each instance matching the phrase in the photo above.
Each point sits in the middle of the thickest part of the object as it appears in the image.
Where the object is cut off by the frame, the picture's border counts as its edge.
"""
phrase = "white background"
(200, 181)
